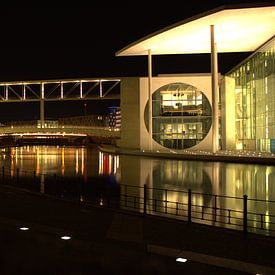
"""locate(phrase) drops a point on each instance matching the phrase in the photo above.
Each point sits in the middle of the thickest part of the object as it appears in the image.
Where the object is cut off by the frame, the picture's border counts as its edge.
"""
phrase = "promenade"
(104, 241)
(235, 156)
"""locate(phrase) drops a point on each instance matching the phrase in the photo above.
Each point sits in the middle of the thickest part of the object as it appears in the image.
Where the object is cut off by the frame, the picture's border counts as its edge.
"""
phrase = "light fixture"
(181, 260)
(66, 238)
(24, 228)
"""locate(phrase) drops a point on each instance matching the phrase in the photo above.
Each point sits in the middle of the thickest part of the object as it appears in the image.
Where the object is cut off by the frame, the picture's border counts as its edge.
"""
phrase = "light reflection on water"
(228, 179)
(257, 181)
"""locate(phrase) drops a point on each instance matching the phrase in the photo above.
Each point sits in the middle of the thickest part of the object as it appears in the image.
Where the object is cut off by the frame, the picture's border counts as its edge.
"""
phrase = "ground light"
(24, 228)
(181, 260)
(66, 238)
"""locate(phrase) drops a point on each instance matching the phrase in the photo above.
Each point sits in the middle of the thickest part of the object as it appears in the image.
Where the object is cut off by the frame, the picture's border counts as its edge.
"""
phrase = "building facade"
(181, 108)
(248, 102)
(181, 112)
(205, 111)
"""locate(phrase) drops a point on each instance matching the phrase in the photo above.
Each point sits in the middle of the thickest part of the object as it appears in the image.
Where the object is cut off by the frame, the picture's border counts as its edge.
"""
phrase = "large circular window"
(181, 116)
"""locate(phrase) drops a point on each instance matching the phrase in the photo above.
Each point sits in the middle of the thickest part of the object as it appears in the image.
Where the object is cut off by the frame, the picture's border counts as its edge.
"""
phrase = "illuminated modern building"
(205, 111)
(249, 102)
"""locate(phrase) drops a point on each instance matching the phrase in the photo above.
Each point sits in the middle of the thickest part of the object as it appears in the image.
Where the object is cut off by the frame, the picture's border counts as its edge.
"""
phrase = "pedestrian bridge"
(68, 130)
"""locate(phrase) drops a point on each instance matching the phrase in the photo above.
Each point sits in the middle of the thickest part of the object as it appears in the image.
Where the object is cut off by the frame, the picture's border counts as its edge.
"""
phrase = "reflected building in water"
(211, 183)
(166, 179)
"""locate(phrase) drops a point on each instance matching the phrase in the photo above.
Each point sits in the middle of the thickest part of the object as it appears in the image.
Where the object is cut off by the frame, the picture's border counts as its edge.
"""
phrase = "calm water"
(236, 180)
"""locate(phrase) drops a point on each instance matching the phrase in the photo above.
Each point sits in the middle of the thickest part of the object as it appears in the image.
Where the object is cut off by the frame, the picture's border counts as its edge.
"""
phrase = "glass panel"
(181, 116)
(255, 100)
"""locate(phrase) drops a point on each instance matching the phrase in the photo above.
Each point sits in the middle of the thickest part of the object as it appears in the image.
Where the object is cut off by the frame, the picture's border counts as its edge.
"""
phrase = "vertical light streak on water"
(110, 164)
(76, 161)
(82, 161)
(266, 197)
(100, 163)
(37, 161)
(63, 161)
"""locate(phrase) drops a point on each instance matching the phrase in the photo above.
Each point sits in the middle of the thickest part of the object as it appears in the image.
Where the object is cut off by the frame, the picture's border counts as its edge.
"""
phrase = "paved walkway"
(111, 242)
(221, 155)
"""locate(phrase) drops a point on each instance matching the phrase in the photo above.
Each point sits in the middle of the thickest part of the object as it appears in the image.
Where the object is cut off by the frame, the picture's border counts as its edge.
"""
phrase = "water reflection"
(92, 167)
(203, 177)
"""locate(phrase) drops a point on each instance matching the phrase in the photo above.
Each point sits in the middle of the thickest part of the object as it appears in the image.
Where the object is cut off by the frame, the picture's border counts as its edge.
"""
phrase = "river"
(205, 178)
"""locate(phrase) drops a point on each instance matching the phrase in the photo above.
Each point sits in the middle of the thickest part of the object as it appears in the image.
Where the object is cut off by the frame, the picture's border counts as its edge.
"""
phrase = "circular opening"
(181, 116)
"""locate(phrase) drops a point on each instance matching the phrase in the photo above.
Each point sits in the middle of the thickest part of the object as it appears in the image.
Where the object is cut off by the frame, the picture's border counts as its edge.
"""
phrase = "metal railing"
(238, 213)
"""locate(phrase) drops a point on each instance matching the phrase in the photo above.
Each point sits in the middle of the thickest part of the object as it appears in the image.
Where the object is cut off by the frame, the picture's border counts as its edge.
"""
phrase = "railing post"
(166, 201)
(3, 174)
(135, 199)
(215, 208)
(126, 196)
(189, 206)
(17, 175)
(245, 214)
(55, 185)
(262, 224)
(144, 199)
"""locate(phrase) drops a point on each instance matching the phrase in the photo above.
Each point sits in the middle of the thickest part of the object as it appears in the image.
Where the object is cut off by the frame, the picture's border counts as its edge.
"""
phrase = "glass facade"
(181, 116)
(255, 100)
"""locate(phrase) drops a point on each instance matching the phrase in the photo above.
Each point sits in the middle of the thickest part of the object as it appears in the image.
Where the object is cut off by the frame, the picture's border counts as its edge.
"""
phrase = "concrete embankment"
(221, 156)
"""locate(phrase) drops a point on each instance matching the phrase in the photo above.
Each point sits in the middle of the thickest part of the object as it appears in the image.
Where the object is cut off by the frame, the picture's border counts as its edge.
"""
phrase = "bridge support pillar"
(42, 103)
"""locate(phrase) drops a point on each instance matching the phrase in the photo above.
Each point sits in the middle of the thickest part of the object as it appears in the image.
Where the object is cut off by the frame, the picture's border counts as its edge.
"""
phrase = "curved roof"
(237, 29)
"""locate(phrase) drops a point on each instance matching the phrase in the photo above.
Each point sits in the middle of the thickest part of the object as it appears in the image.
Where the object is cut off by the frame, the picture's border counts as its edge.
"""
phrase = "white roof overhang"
(236, 30)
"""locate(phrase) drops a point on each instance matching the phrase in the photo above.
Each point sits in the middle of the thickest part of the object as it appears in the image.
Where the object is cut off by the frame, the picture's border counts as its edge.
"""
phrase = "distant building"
(114, 117)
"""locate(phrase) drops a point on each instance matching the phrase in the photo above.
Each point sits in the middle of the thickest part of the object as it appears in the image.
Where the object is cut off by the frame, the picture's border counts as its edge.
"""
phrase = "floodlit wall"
(130, 113)
(200, 81)
(134, 97)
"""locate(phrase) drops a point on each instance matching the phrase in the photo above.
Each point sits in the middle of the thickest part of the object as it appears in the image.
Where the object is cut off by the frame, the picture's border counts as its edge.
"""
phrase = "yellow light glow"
(110, 164)
(267, 220)
(38, 161)
(63, 161)
(100, 163)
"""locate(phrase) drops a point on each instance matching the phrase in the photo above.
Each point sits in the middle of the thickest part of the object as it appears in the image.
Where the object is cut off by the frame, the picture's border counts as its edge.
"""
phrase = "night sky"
(55, 42)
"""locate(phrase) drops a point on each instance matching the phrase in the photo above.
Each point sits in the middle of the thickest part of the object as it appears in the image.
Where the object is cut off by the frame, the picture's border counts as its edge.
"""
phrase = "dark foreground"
(112, 242)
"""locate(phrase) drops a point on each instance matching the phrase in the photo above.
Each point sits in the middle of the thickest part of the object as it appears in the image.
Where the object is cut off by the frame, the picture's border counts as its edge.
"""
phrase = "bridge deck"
(64, 131)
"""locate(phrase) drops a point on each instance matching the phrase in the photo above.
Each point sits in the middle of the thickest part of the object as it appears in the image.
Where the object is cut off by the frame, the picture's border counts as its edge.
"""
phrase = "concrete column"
(61, 90)
(80, 89)
(100, 88)
(7, 92)
(42, 114)
(215, 91)
(24, 91)
(150, 97)
(228, 113)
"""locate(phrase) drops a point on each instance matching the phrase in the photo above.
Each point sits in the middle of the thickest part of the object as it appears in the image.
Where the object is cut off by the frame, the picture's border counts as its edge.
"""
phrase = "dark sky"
(72, 41)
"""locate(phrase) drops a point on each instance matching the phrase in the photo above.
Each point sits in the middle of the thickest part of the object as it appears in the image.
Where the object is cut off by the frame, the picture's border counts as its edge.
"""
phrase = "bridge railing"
(60, 127)
(237, 213)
